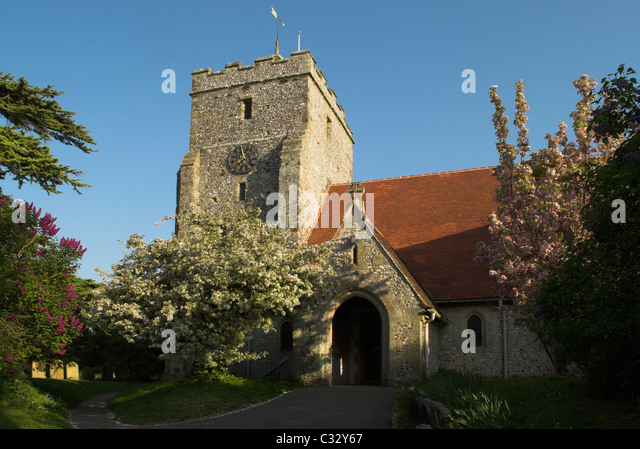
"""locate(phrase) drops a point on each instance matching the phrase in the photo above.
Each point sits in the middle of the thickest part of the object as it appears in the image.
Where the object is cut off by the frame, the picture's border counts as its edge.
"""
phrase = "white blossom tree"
(228, 275)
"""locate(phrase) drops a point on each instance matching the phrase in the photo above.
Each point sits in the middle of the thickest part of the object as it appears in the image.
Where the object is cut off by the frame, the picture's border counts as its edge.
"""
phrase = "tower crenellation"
(267, 69)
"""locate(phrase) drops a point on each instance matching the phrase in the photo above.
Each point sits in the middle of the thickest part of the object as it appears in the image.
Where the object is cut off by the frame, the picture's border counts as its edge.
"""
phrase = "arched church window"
(286, 336)
(475, 324)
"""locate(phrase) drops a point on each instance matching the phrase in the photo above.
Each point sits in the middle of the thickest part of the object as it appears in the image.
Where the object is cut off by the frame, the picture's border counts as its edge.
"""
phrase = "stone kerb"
(436, 414)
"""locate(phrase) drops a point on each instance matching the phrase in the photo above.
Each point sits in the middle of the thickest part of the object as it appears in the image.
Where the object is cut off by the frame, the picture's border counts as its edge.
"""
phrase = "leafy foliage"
(33, 110)
(105, 351)
(479, 410)
(470, 406)
(110, 353)
(39, 306)
(23, 406)
(618, 111)
(590, 304)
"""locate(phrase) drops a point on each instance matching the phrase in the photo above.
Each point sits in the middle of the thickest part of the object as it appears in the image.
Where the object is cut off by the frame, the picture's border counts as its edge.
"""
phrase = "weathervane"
(278, 22)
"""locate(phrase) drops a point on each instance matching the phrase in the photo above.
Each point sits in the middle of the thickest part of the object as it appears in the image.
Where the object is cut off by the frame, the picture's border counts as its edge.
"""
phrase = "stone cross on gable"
(355, 188)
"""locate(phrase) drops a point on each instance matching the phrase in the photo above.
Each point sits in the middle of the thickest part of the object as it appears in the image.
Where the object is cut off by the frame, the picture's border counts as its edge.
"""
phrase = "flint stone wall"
(525, 355)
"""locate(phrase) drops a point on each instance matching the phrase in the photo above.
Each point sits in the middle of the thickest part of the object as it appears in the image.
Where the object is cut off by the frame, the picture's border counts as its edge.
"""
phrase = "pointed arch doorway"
(356, 344)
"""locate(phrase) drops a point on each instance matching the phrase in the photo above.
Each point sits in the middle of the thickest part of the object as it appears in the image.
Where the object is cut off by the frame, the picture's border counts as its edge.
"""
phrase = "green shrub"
(23, 406)
(478, 410)
(471, 408)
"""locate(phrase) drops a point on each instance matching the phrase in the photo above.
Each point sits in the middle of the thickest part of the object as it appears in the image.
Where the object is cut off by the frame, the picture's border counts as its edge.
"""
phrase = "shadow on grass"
(537, 403)
(172, 401)
(73, 392)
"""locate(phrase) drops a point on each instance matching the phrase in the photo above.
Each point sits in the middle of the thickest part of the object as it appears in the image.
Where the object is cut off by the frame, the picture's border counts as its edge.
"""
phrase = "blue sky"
(396, 67)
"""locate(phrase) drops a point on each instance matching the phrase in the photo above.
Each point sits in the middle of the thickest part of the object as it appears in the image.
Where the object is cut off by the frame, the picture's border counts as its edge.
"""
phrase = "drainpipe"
(426, 347)
(504, 339)
(428, 319)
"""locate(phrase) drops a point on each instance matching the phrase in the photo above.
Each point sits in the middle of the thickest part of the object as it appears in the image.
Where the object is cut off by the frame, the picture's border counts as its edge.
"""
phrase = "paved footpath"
(339, 407)
(94, 414)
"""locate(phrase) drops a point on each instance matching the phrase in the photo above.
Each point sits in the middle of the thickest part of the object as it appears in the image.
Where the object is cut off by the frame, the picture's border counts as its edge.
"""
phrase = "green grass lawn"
(539, 403)
(565, 403)
(190, 399)
(534, 403)
(46, 403)
(73, 392)
(22, 406)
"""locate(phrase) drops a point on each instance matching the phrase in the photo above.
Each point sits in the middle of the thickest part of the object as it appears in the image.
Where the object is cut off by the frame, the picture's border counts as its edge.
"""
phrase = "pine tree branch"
(35, 117)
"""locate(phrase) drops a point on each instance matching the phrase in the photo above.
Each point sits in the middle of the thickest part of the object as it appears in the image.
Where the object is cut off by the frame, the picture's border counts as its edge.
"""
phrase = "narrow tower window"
(242, 191)
(328, 128)
(247, 106)
(355, 254)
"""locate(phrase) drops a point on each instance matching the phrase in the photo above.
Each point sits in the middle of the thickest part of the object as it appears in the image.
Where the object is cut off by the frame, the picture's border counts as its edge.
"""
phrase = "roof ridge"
(417, 175)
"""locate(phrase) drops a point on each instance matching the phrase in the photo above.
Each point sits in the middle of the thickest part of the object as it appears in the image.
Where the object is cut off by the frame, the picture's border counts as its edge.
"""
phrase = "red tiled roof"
(433, 222)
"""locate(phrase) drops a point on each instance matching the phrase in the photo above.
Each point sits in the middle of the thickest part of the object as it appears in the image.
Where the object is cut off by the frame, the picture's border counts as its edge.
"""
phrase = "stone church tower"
(270, 127)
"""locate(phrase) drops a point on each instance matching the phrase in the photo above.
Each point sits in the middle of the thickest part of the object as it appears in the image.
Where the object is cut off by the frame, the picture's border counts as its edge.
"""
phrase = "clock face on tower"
(242, 159)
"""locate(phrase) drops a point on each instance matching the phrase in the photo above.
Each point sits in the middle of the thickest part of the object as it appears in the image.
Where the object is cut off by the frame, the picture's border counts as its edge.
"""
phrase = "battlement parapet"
(268, 68)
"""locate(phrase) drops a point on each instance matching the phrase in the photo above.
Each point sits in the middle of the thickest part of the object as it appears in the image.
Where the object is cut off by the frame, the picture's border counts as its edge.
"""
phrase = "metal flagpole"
(278, 21)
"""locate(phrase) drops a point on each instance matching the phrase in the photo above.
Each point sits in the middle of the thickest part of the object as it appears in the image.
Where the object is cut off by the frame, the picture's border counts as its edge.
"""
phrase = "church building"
(412, 290)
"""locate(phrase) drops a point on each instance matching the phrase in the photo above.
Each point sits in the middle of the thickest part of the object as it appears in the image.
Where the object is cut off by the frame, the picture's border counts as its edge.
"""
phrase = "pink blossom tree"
(39, 307)
(539, 198)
